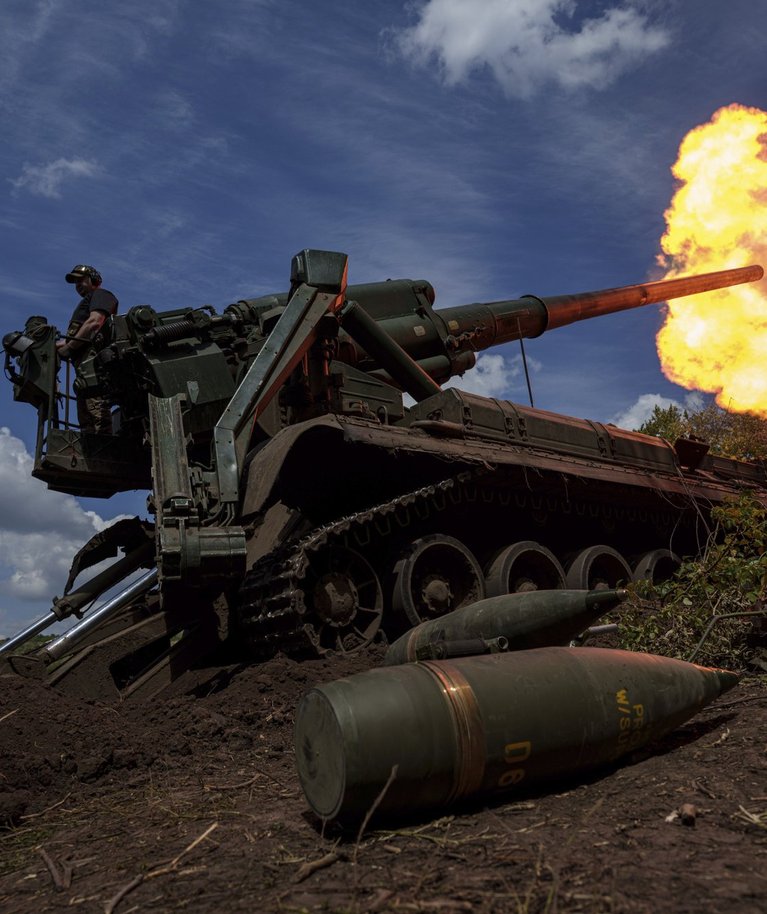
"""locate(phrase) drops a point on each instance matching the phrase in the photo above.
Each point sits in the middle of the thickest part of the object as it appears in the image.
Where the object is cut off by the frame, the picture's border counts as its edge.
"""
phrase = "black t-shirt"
(97, 300)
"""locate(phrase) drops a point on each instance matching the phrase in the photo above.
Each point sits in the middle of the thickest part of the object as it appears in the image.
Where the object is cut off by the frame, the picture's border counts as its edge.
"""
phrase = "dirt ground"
(192, 803)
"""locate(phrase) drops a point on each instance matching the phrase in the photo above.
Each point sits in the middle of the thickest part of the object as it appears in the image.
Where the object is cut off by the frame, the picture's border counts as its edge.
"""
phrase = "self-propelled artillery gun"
(299, 505)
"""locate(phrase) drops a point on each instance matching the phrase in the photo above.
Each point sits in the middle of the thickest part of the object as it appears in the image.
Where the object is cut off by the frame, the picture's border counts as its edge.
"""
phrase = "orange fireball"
(717, 341)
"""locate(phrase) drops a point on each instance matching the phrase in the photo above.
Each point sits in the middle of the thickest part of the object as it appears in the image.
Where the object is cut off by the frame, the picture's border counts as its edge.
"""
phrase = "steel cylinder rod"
(69, 640)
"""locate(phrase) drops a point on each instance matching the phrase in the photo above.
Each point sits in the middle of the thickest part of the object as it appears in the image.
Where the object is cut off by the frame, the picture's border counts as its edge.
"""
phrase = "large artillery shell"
(539, 618)
(443, 730)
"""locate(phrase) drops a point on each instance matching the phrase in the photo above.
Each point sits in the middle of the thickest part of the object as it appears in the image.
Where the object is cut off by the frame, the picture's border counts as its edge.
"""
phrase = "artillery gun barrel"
(493, 323)
(567, 309)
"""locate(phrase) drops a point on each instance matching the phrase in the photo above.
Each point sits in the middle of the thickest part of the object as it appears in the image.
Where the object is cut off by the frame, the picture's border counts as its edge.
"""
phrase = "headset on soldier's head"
(81, 270)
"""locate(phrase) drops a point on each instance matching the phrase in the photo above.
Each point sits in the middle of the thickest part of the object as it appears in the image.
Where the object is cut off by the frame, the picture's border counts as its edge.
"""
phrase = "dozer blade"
(141, 652)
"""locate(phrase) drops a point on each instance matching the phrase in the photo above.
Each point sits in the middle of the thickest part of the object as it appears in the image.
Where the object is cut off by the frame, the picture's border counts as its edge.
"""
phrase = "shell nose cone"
(727, 680)
(606, 598)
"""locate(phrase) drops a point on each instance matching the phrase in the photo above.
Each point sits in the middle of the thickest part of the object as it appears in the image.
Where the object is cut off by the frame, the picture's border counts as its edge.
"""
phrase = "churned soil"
(192, 803)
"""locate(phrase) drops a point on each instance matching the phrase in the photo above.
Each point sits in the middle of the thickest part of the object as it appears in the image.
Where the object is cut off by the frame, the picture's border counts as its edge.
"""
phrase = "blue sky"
(494, 147)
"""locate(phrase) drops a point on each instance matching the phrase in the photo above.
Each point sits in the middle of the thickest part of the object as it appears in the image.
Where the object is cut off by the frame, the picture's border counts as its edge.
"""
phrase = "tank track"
(272, 609)
(273, 612)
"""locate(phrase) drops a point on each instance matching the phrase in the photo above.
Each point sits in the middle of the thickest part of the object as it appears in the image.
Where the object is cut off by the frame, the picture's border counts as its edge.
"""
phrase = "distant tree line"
(741, 435)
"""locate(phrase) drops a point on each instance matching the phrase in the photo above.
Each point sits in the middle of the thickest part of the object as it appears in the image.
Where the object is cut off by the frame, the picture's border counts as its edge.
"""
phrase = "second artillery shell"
(539, 618)
(442, 730)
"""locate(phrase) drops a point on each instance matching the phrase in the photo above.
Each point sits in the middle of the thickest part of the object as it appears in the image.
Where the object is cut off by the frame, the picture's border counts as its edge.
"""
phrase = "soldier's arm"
(85, 332)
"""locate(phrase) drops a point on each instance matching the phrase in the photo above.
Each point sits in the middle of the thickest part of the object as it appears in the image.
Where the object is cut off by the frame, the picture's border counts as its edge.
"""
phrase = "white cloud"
(494, 375)
(47, 180)
(491, 376)
(38, 564)
(642, 409)
(40, 530)
(530, 43)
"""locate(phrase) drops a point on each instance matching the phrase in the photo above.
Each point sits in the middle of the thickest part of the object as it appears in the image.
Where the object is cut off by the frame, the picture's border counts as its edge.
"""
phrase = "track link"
(274, 612)
(275, 606)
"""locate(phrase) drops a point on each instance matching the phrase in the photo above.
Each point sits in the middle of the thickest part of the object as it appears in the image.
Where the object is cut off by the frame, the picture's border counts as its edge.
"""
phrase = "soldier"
(95, 306)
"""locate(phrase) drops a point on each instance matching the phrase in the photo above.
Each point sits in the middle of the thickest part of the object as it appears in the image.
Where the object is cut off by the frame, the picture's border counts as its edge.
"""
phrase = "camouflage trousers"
(94, 416)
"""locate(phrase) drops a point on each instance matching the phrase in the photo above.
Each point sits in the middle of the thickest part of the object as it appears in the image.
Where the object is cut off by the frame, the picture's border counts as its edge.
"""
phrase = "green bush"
(729, 577)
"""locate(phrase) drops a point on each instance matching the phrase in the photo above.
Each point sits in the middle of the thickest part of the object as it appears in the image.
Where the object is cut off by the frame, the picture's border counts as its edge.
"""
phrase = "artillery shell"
(539, 618)
(439, 731)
